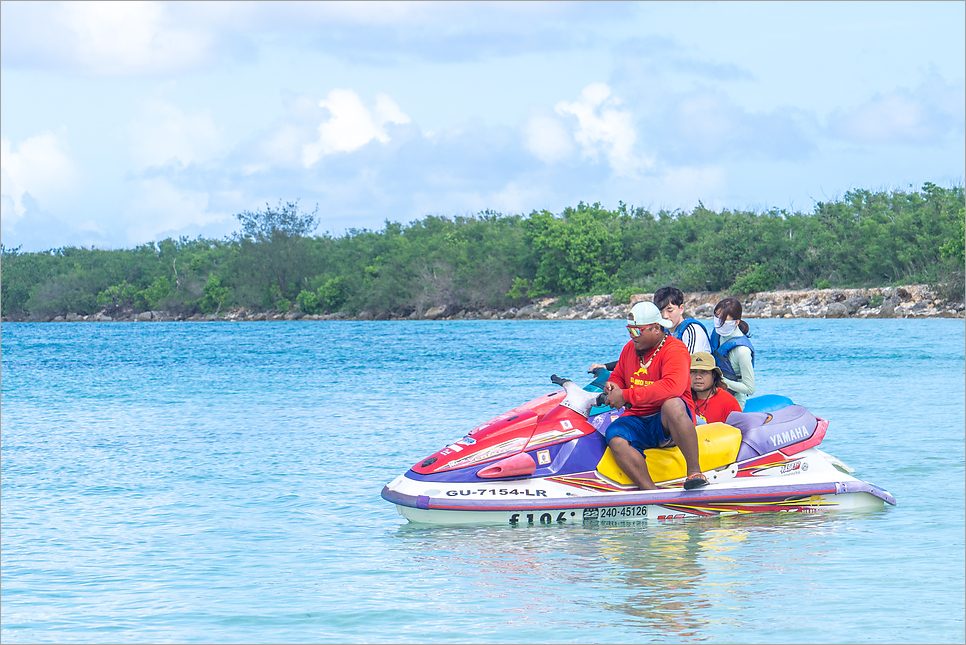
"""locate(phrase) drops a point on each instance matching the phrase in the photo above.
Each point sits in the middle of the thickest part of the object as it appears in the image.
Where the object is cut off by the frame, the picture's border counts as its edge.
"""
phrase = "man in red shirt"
(652, 378)
(711, 401)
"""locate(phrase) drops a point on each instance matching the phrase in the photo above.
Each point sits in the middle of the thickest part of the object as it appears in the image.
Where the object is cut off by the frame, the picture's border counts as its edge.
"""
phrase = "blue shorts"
(641, 432)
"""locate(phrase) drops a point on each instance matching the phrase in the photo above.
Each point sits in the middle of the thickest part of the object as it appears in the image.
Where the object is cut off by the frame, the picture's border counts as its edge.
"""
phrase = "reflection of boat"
(547, 462)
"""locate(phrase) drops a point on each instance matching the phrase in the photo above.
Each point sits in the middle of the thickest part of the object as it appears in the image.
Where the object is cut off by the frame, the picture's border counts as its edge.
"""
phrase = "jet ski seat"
(718, 445)
(763, 432)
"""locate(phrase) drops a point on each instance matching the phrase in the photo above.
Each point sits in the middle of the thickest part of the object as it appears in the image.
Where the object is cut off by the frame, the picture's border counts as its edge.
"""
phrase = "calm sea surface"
(219, 482)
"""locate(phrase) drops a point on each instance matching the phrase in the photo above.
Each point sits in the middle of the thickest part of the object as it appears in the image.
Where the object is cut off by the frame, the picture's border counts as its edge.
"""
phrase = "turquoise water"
(219, 482)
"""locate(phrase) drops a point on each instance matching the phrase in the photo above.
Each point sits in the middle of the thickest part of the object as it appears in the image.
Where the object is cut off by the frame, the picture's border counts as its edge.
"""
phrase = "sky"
(127, 123)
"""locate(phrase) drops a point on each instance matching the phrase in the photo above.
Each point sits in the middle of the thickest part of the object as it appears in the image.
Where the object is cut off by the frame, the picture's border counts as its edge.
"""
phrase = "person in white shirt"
(690, 331)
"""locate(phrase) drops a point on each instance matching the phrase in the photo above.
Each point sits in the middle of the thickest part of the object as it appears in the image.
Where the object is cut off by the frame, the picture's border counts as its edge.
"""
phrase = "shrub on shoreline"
(494, 262)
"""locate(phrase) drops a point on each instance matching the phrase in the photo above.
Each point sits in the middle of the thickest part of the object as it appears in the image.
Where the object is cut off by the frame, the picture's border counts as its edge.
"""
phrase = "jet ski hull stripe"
(696, 498)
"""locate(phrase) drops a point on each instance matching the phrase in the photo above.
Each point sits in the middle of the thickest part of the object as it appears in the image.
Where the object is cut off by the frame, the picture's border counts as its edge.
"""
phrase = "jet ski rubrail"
(547, 461)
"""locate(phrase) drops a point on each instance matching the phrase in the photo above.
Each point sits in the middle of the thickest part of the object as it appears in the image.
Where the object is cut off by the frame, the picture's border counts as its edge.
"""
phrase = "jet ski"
(547, 462)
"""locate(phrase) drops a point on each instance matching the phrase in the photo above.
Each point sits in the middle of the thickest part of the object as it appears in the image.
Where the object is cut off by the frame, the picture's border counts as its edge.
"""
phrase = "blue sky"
(123, 123)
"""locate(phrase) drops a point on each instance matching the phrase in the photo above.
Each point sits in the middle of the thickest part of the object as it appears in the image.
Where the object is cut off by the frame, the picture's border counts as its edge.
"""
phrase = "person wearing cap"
(712, 401)
(652, 380)
(690, 331)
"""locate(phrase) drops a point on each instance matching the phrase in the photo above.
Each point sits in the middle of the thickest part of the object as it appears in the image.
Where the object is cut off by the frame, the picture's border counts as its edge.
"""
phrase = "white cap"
(647, 313)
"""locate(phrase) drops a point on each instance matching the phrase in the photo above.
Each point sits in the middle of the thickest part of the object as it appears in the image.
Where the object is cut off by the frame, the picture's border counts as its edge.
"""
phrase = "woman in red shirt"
(711, 401)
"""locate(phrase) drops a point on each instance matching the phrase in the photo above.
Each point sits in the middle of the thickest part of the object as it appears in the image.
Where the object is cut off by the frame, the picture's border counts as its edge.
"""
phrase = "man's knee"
(618, 442)
(674, 408)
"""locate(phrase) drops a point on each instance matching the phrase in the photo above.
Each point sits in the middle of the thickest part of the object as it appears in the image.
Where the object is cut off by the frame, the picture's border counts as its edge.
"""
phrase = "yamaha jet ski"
(547, 462)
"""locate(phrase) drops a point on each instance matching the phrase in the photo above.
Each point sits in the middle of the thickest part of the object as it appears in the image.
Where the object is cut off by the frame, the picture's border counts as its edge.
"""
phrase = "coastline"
(910, 301)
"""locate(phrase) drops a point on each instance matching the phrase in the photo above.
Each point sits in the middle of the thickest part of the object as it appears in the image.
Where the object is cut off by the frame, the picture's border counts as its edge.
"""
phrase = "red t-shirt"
(717, 407)
(667, 377)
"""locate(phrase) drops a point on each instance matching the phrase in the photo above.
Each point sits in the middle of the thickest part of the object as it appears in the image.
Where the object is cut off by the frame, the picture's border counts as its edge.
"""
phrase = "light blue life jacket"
(683, 325)
(720, 353)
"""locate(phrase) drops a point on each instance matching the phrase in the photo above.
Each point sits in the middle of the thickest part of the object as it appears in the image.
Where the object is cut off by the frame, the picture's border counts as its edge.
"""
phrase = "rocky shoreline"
(912, 301)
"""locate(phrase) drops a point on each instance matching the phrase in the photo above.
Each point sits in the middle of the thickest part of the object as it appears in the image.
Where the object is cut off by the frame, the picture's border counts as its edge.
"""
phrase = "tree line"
(494, 260)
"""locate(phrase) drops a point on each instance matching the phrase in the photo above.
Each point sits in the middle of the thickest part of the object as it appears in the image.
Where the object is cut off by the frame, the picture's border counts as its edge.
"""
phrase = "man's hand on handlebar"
(615, 396)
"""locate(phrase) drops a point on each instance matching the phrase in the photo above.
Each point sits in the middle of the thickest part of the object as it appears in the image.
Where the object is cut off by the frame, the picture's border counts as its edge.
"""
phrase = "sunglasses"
(635, 330)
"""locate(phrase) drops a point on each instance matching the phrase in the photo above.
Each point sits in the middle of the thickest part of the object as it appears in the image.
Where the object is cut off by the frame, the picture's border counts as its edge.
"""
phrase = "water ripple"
(220, 483)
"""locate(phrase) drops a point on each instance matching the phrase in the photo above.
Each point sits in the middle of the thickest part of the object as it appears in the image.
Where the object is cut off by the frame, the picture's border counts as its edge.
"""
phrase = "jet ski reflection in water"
(547, 462)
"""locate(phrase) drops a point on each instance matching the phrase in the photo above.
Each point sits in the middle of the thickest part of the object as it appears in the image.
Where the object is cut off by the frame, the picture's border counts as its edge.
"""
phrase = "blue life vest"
(720, 353)
(679, 330)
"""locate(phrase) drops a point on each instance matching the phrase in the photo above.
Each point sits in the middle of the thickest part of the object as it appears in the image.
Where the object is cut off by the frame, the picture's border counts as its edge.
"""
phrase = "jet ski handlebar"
(578, 399)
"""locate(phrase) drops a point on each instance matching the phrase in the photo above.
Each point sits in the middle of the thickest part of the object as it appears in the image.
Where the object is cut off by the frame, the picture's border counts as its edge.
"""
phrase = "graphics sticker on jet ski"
(553, 436)
(599, 420)
(500, 449)
(775, 465)
(586, 481)
(749, 469)
(796, 504)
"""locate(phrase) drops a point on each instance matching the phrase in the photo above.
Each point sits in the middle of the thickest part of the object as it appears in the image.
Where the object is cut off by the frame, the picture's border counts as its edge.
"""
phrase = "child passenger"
(733, 352)
(711, 401)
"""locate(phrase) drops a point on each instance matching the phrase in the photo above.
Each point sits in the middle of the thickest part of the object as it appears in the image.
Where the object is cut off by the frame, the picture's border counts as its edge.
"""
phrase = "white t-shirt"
(694, 340)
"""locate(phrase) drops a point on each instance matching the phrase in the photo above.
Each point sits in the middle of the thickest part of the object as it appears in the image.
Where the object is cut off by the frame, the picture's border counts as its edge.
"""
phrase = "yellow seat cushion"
(718, 445)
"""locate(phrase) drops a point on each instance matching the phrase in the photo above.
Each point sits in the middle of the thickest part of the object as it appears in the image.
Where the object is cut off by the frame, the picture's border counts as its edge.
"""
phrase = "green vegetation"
(493, 260)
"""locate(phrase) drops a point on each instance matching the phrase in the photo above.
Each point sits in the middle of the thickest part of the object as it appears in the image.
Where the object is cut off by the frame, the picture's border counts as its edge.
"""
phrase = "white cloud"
(886, 119)
(113, 38)
(548, 138)
(706, 126)
(162, 133)
(603, 127)
(160, 207)
(280, 144)
(281, 147)
(108, 38)
(351, 124)
(39, 166)
(137, 38)
(387, 111)
(920, 116)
